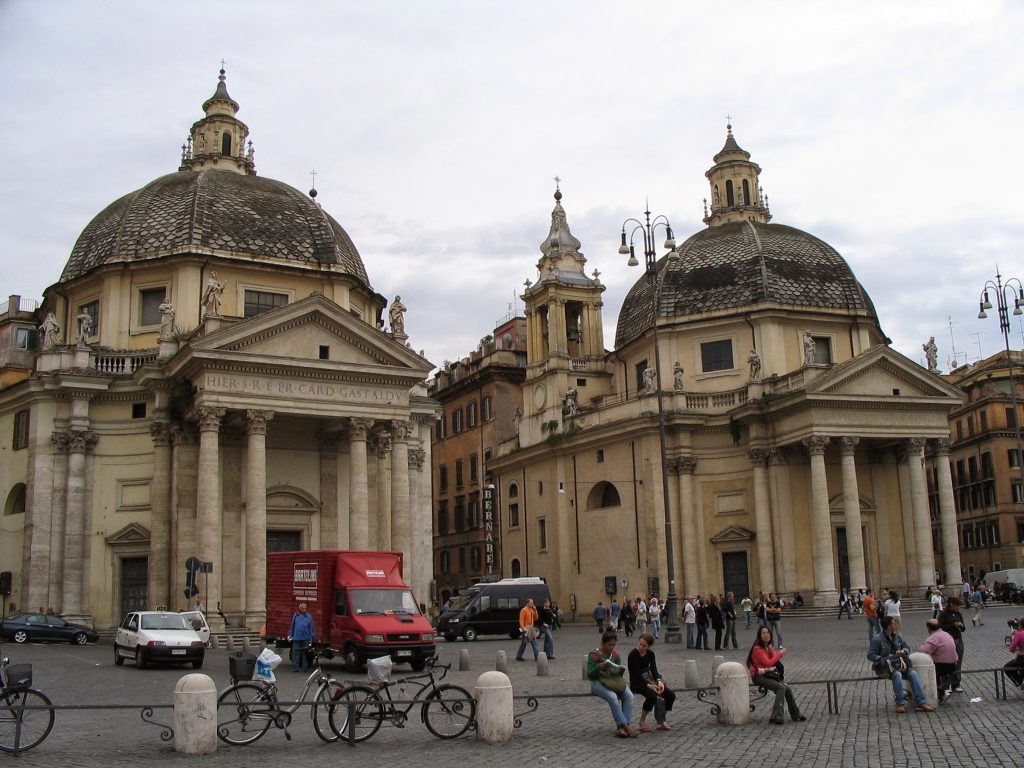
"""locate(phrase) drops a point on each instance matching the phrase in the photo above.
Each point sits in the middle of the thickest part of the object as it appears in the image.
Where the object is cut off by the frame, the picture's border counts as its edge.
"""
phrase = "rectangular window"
(442, 427)
(471, 414)
(460, 514)
(25, 338)
(457, 421)
(442, 478)
(822, 350)
(474, 559)
(600, 455)
(258, 302)
(542, 534)
(150, 300)
(993, 534)
(1013, 458)
(474, 513)
(968, 537)
(92, 309)
(513, 517)
(1018, 492)
(462, 559)
(458, 473)
(983, 420)
(442, 518)
(959, 430)
(20, 438)
(1020, 529)
(716, 356)
(487, 408)
(1011, 421)
(640, 368)
(325, 352)
(138, 410)
(986, 465)
(970, 426)
(474, 468)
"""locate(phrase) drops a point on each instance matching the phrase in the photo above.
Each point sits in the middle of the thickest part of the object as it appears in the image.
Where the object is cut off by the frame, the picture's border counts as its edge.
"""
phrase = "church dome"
(742, 264)
(214, 212)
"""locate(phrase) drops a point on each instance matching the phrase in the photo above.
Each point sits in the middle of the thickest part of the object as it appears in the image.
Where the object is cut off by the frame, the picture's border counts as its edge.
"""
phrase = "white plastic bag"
(379, 669)
(265, 664)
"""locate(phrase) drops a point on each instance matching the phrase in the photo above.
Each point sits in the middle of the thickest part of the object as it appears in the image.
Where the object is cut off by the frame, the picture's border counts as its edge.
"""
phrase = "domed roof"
(214, 212)
(742, 264)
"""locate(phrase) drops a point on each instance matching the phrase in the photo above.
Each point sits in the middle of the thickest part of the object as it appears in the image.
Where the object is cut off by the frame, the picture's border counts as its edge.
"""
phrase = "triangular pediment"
(133, 533)
(882, 372)
(734, 534)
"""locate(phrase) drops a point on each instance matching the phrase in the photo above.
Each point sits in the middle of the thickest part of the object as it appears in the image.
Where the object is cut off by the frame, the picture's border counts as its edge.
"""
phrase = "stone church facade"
(794, 435)
(214, 378)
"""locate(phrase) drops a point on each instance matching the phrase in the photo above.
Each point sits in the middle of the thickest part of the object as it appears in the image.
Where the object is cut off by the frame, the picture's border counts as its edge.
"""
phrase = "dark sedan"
(22, 627)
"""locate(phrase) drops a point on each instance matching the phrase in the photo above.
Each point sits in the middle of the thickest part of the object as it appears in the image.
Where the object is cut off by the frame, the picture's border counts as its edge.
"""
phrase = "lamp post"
(648, 228)
(1003, 304)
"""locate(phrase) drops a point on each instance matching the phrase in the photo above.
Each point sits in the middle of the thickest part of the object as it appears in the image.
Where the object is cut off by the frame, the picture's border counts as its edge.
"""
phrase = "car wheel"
(352, 660)
(118, 658)
(80, 638)
(197, 664)
(20, 636)
(469, 634)
(140, 658)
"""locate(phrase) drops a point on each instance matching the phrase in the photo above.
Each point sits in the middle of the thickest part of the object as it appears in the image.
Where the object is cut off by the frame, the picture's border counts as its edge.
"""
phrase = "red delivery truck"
(360, 604)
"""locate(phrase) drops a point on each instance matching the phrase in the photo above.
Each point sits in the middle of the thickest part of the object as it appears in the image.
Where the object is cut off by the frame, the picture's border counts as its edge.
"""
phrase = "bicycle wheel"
(326, 701)
(449, 711)
(367, 712)
(245, 712)
(35, 723)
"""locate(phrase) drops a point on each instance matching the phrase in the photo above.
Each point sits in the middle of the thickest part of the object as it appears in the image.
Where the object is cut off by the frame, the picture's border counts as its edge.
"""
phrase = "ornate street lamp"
(1003, 304)
(648, 228)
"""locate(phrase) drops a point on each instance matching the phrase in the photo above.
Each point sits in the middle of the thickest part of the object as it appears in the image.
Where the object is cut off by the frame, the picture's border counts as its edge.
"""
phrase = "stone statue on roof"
(931, 353)
(50, 331)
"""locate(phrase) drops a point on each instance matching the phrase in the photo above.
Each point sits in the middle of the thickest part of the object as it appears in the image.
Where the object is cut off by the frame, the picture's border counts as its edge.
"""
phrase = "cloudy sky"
(435, 128)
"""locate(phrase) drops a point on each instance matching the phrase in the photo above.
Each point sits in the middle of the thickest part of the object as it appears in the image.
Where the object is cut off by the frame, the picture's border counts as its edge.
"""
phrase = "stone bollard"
(232, 644)
(464, 659)
(542, 664)
(195, 715)
(690, 674)
(716, 662)
(494, 721)
(501, 662)
(733, 693)
(925, 667)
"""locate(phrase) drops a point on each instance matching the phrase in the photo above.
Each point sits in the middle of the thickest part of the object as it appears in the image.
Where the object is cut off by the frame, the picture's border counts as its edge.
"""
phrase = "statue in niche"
(517, 418)
(809, 349)
(931, 353)
(572, 402)
(84, 328)
(211, 297)
(754, 360)
(397, 316)
(649, 376)
(50, 331)
(166, 319)
(677, 377)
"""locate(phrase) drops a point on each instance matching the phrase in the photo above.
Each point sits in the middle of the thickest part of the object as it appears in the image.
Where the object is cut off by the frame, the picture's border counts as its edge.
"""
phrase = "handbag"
(612, 681)
(897, 664)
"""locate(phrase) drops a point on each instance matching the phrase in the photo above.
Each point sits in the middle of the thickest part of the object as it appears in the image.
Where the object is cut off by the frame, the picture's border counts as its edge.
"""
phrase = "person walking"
(645, 680)
(702, 620)
(627, 617)
(870, 609)
(766, 671)
(936, 600)
(748, 608)
(690, 620)
(952, 621)
(717, 619)
(600, 616)
(892, 609)
(614, 613)
(940, 646)
(889, 655)
(977, 606)
(773, 616)
(545, 623)
(729, 612)
(528, 616)
(301, 633)
(654, 614)
(845, 605)
(604, 661)
(640, 609)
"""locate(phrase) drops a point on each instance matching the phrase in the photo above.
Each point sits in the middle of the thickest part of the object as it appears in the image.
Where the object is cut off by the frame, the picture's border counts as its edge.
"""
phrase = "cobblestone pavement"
(574, 731)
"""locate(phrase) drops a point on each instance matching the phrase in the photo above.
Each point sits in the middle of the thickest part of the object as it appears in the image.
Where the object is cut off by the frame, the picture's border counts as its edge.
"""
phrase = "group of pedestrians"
(717, 613)
(534, 623)
(637, 615)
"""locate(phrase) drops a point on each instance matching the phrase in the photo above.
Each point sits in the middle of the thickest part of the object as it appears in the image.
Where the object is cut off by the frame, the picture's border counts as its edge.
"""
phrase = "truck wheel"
(352, 660)
(469, 634)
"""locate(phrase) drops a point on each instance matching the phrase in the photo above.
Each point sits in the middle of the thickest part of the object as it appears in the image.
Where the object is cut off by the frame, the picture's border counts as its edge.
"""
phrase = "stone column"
(686, 466)
(208, 511)
(358, 495)
(382, 449)
(159, 582)
(782, 520)
(401, 531)
(763, 521)
(184, 485)
(329, 532)
(922, 520)
(421, 522)
(851, 514)
(947, 512)
(256, 518)
(821, 525)
(59, 478)
(75, 604)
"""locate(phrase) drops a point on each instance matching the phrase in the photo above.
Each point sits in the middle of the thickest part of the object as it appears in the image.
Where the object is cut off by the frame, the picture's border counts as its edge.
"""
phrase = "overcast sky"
(887, 129)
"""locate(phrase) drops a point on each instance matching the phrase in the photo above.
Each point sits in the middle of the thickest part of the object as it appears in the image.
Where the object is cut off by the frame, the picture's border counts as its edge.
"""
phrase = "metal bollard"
(463, 659)
(501, 662)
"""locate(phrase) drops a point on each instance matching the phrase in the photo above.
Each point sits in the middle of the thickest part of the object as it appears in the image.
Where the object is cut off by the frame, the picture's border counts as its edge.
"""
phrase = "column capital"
(60, 439)
(359, 427)
(401, 430)
(210, 418)
(815, 444)
(182, 434)
(915, 445)
(758, 456)
(685, 465)
(258, 420)
(848, 445)
(382, 443)
(777, 457)
(81, 440)
(942, 446)
(417, 456)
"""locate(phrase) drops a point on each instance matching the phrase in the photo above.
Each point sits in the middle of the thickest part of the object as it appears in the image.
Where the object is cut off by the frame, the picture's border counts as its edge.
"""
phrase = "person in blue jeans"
(889, 646)
(606, 658)
(301, 634)
(773, 617)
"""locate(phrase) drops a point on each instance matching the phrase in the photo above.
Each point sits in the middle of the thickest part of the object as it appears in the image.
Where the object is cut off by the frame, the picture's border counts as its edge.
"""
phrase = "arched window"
(603, 495)
(746, 193)
(517, 569)
(730, 199)
(15, 500)
(225, 143)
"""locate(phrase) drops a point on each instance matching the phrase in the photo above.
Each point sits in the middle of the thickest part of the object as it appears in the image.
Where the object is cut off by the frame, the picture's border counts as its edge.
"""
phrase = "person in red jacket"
(763, 663)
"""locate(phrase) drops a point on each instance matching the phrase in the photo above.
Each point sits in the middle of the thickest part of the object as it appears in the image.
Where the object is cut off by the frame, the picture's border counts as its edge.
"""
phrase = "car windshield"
(461, 601)
(165, 621)
(371, 601)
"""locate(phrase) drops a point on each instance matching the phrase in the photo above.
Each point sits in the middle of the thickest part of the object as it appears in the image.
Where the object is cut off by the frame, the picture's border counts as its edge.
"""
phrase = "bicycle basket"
(379, 669)
(241, 666)
(19, 676)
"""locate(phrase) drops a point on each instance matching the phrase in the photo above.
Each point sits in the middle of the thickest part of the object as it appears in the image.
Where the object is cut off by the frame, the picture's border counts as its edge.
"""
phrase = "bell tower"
(736, 193)
(565, 334)
(218, 140)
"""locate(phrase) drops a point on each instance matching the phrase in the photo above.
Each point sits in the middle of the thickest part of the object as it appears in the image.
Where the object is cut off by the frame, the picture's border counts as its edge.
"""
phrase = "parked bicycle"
(250, 706)
(26, 715)
(447, 710)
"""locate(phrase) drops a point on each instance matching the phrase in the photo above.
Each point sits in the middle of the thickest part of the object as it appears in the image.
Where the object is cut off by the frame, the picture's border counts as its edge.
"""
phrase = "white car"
(149, 636)
(200, 625)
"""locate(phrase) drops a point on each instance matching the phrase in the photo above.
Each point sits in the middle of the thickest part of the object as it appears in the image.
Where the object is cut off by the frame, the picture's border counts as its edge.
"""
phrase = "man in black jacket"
(952, 621)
